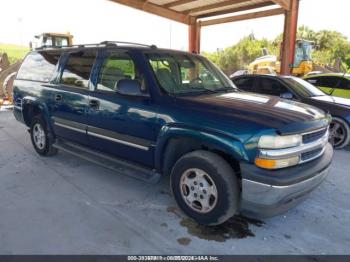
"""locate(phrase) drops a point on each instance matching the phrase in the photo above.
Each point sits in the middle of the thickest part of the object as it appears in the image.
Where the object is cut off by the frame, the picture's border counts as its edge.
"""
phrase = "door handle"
(94, 104)
(58, 97)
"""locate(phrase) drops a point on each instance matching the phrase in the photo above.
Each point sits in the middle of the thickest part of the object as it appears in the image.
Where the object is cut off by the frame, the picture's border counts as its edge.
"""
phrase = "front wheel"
(339, 135)
(205, 187)
(40, 137)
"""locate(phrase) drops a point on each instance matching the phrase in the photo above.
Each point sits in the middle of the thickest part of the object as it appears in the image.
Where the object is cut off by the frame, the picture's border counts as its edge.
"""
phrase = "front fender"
(221, 142)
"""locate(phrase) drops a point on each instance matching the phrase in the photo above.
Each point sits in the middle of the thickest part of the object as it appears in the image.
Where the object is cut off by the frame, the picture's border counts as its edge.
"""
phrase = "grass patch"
(14, 52)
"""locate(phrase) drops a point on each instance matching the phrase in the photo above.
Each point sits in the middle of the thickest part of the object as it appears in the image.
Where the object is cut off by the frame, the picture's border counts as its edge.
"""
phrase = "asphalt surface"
(65, 205)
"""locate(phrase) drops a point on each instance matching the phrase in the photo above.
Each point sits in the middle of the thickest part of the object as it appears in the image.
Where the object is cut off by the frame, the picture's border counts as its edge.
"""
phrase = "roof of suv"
(112, 45)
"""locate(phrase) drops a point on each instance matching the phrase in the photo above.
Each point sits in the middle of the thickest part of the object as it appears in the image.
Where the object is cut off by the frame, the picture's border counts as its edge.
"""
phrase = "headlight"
(276, 163)
(277, 142)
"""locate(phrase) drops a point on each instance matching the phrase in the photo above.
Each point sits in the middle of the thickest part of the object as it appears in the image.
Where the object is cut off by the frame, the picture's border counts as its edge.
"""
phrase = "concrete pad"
(65, 205)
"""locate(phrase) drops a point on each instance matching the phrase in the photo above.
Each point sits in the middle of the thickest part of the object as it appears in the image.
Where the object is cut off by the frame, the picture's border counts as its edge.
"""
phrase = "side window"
(185, 75)
(61, 41)
(328, 81)
(117, 66)
(344, 84)
(38, 66)
(270, 87)
(78, 68)
(245, 84)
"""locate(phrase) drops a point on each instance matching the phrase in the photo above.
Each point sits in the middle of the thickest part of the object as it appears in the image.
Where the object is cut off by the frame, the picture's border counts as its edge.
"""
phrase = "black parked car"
(294, 88)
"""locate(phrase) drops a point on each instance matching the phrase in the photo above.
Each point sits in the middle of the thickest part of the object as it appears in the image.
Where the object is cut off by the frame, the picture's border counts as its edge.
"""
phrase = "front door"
(122, 125)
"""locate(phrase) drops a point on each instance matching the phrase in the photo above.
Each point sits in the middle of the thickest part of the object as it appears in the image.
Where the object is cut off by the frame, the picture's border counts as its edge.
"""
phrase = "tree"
(330, 46)
(240, 55)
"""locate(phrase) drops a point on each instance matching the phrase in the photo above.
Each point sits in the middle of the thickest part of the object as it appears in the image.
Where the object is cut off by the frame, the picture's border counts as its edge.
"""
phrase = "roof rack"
(67, 46)
(104, 43)
(115, 43)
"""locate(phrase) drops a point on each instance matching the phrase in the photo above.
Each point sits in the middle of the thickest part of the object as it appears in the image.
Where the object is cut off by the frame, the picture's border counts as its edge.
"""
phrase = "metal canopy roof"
(199, 13)
(189, 11)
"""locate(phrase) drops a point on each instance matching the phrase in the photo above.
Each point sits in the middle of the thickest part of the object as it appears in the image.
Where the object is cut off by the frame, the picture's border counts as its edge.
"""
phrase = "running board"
(121, 167)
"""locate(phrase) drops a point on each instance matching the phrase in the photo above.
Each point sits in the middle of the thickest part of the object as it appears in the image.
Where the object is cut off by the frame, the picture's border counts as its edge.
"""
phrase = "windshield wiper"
(228, 89)
(203, 89)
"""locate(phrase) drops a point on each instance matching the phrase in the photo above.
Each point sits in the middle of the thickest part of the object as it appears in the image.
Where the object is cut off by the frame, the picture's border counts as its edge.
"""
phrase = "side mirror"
(287, 95)
(129, 87)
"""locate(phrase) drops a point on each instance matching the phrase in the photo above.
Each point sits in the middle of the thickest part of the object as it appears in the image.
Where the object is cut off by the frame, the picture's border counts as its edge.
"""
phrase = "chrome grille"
(311, 154)
(311, 137)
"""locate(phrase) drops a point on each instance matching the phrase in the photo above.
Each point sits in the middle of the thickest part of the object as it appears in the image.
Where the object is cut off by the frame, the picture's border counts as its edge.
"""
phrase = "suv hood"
(268, 111)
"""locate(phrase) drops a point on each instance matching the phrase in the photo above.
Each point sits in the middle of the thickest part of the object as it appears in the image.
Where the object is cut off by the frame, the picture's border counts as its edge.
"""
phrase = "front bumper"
(267, 193)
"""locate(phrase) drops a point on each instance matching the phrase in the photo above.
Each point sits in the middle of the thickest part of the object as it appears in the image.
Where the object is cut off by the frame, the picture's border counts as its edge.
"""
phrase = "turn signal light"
(276, 163)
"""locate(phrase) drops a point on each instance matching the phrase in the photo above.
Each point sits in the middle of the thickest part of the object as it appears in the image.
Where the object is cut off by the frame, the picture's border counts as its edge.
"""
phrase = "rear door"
(71, 99)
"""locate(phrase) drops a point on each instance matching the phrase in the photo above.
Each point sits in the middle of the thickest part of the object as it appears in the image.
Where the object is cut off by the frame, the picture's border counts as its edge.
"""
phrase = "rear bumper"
(264, 199)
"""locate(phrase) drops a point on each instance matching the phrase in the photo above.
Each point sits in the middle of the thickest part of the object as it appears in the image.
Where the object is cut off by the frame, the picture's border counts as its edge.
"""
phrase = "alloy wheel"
(39, 136)
(337, 134)
(198, 190)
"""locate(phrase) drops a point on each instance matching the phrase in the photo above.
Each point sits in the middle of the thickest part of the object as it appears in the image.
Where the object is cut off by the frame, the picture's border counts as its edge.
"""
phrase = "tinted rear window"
(327, 81)
(245, 84)
(270, 87)
(38, 66)
(344, 84)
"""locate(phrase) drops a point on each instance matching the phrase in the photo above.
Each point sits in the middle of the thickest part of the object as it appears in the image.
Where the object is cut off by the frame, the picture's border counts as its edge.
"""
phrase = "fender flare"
(34, 102)
(229, 145)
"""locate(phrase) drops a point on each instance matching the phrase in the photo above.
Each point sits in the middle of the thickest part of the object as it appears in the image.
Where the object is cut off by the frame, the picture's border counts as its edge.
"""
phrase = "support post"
(194, 35)
(289, 38)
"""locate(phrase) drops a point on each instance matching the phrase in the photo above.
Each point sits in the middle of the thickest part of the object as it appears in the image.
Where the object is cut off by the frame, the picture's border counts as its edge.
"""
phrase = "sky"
(92, 21)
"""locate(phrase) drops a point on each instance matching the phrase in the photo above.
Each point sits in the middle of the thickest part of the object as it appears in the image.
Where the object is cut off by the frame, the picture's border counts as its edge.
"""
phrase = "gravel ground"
(65, 205)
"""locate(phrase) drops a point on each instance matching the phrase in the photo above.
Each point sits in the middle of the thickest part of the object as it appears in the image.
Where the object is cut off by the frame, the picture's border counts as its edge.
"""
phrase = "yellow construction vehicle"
(52, 39)
(269, 64)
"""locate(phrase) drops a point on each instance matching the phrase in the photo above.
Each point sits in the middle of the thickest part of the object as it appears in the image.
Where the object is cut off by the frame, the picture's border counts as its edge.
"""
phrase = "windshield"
(303, 87)
(179, 73)
(61, 41)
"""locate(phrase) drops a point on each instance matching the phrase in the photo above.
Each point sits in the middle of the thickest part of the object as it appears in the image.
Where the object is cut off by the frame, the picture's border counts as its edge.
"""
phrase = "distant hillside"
(14, 52)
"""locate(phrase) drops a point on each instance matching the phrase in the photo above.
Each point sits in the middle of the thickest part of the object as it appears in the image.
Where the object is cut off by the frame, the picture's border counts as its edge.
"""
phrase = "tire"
(39, 135)
(200, 170)
(339, 133)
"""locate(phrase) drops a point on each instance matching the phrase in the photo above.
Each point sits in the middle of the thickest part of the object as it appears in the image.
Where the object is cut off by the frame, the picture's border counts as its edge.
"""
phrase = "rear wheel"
(40, 137)
(205, 187)
(339, 135)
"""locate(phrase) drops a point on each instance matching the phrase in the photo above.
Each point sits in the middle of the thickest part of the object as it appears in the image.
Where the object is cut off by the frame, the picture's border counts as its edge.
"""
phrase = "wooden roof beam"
(177, 3)
(157, 10)
(236, 9)
(271, 12)
(213, 6)
(283, 3)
